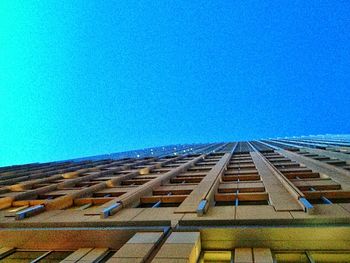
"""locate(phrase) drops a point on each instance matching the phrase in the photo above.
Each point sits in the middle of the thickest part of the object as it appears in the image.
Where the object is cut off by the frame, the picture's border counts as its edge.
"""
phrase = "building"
(275, 200)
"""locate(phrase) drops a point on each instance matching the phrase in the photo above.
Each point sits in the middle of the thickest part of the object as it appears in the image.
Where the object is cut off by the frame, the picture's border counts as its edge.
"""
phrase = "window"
(19, 256)
(312, 256)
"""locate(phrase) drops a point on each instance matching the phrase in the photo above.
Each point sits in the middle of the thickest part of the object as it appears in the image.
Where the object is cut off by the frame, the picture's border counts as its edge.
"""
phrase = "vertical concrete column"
(288, 185)
(199, 199)
(136, 193)
(337, 174)
(279, 196)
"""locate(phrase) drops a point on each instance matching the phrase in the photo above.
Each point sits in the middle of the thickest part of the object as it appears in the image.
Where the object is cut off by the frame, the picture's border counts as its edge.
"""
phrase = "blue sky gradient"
(81, 78)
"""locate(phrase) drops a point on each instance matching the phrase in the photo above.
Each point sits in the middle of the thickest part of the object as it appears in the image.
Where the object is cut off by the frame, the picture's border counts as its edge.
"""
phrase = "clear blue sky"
(81, 78)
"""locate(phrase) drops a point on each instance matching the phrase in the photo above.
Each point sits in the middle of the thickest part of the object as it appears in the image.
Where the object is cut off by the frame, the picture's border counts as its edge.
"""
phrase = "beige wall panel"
(262, 255)
(260, 212)
(243, 255)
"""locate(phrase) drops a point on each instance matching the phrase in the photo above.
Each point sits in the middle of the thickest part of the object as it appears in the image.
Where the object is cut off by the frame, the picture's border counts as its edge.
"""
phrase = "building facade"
(274, 200)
